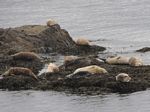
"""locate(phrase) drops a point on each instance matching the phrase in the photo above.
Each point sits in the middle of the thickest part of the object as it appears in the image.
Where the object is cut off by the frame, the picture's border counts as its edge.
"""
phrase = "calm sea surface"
(122, 26)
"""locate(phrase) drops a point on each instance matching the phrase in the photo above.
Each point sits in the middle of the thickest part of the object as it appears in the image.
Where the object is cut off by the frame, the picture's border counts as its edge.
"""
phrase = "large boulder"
(40, 39)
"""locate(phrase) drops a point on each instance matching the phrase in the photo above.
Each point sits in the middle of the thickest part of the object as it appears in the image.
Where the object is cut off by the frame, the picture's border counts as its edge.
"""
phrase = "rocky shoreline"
(44, 39)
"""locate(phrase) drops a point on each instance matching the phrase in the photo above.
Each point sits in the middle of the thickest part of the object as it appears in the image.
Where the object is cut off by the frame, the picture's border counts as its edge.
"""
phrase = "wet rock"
(58, 39)
(83, 82)
(124, 87)
(7, 61)
(4, 63)
(1, 31)
(89, 49)
(145, 49)
(17, 83)
(16, 41)
(41, 39)
(80, 62)
(53, 76)
(31, 29)
(101, 83)
(35, 66)
(18, 78)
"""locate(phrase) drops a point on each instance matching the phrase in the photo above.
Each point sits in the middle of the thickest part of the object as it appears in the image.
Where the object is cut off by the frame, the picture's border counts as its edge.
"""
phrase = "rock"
(145, 49)
(89, 49)
(58, 39)
(16, 41)
(35, 66)
(1, 31)
(31, 29)
(41, 39)
(83, 82)
(18, 78)
(80, 62)
(7, 61)
(17, 83)
(123, 87)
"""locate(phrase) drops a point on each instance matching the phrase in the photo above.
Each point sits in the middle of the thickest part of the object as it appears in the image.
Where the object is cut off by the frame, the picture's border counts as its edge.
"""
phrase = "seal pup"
(82, 41)
(52, 68)
(51, 22)
(92, 69)
(19, 71)
(122, 60)
(134, 61)
(25, 56)
(123, 77)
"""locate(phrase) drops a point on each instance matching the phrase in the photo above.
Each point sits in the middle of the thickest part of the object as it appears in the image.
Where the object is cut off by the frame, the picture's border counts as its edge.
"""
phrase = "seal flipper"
(70, 75)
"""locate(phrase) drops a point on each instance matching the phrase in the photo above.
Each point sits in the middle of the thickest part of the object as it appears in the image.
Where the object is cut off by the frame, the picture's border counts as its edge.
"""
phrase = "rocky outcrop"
(43, 39)
(18, 83)
(40, 39)
(8, 61)
(84, 82)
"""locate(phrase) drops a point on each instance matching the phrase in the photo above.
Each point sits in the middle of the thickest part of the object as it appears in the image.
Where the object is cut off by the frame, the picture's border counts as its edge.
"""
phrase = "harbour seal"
(92, 69)
(70, 58)
(51, 22)
(123, 77)
(52, 68)
(25, 56)
(82, 41)
(118, 60)
(134, 61)
(19, 71)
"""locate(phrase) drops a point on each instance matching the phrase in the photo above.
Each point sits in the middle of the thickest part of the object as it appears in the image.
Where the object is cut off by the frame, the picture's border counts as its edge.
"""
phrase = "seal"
(83, 42)
(123, 77)
(19, 71)
(92, 69)
(52, 68)
(122, 60)
(134, 61)
(51, 22)
(70, 58)
(29, 56)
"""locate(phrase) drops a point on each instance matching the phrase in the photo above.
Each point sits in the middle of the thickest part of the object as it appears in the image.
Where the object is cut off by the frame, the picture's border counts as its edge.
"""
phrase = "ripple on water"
(37, 101)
